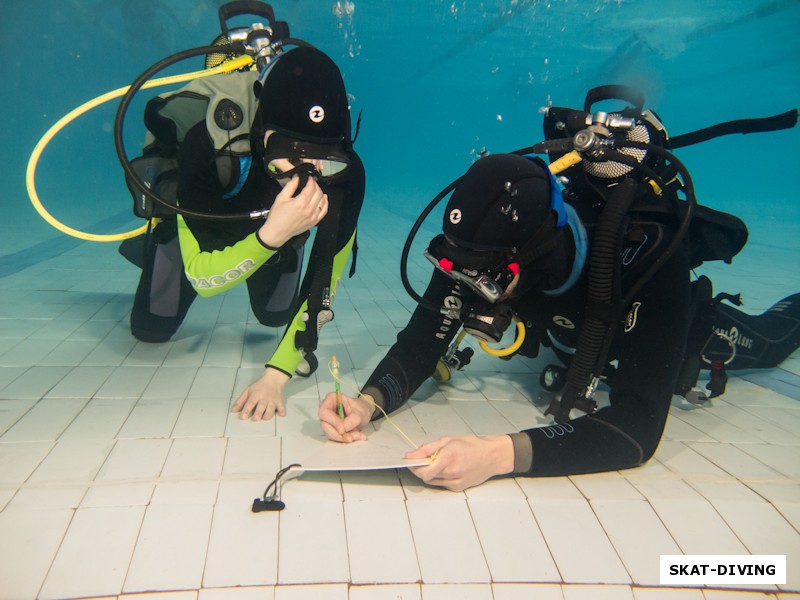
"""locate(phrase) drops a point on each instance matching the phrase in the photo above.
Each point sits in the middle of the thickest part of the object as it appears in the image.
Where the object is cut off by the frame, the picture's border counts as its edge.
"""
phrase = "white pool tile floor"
(123, 473)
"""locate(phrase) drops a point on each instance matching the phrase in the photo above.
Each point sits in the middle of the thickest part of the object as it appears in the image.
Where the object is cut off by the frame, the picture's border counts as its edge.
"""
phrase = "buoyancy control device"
(624, 159)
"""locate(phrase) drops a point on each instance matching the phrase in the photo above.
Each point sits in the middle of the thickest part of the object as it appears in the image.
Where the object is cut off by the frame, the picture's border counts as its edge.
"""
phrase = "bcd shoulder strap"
(316, 283)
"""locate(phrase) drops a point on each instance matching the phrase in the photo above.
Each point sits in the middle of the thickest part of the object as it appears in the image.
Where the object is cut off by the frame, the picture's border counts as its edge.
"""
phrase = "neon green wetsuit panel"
(287, 356)
(212, 273)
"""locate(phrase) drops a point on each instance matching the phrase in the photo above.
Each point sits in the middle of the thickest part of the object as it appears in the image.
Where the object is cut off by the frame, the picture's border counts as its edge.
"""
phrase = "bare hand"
(263, 398)
(357, 411)
(291, 216)
(463, 462)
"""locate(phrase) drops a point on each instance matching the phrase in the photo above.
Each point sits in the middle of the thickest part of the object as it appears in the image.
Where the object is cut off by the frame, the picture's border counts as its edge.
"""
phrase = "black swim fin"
(755, 341)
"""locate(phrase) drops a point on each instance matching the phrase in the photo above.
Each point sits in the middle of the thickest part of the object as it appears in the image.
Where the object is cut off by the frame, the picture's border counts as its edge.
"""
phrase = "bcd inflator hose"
(600, 311)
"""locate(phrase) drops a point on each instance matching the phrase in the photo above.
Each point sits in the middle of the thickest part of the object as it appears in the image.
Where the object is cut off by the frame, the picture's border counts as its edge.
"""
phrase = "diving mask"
(284, 157)
(489, 275)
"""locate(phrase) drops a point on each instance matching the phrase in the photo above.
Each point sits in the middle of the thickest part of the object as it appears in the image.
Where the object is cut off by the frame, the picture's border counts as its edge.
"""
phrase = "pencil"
(337, 387)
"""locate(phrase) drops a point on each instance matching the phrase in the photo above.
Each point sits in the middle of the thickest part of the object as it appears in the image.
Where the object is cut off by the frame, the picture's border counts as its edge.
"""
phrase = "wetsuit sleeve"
(217, 255)
(412, 359)
(217, 271)
(626, 433)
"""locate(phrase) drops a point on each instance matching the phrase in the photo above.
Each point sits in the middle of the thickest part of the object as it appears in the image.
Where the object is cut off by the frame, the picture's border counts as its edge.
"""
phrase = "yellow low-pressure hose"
(565, 162)
(231, 65)
(512, 348)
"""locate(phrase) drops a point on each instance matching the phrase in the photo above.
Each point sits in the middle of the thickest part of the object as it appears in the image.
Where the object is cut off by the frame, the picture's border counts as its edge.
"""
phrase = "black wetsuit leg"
(274, 287)
(702, 318)
(760, 341)
(164, 295)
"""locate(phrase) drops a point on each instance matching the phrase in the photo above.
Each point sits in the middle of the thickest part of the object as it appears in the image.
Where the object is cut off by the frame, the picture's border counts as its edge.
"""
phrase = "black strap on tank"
(785, 120)
(614, 92)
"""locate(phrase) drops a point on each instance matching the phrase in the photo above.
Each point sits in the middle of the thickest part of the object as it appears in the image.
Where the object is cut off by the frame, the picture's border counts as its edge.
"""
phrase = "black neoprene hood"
(303, 96)
(499, 204)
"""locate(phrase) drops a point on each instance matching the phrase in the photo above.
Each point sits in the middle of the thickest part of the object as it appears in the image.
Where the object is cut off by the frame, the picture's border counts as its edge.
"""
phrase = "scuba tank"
(638, 158)
(620, 158)
(237, 49)
(623, 157)
(226, 102)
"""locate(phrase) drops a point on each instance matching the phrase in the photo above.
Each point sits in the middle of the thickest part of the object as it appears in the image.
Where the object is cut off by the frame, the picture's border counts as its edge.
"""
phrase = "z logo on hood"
(316, 114)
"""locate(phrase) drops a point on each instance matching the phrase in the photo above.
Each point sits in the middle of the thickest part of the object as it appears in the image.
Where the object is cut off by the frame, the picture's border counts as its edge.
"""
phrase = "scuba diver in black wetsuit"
(261, 156)
(600, 273)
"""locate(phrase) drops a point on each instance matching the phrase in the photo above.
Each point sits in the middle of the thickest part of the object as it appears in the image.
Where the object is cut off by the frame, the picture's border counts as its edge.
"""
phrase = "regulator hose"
(597, 333)
(503, 352)
(33, 162)
(600, 310)
(410, 239)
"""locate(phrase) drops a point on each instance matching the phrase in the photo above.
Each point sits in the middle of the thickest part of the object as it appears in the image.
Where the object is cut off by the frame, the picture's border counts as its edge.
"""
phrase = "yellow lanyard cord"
(334, 371)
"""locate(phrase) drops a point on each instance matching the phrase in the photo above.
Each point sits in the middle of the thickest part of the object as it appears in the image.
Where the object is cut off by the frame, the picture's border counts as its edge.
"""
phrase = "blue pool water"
(437, 80)
(122, 469)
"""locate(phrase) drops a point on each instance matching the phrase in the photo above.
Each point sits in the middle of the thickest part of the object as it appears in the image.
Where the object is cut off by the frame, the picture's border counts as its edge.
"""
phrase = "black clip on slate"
(269, 502)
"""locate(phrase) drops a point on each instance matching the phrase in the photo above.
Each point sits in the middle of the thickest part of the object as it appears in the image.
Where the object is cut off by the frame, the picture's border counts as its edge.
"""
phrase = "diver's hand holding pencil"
(357, 414)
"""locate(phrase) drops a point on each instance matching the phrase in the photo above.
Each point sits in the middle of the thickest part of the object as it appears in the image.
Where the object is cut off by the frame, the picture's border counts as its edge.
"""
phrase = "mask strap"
(543, 242)
(478, 260)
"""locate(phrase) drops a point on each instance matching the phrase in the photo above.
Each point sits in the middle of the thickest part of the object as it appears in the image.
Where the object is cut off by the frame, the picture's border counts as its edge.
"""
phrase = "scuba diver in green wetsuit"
(272, 144)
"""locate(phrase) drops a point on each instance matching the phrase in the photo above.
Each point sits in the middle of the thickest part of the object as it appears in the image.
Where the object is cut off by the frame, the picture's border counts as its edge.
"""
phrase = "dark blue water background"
(437, 82)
